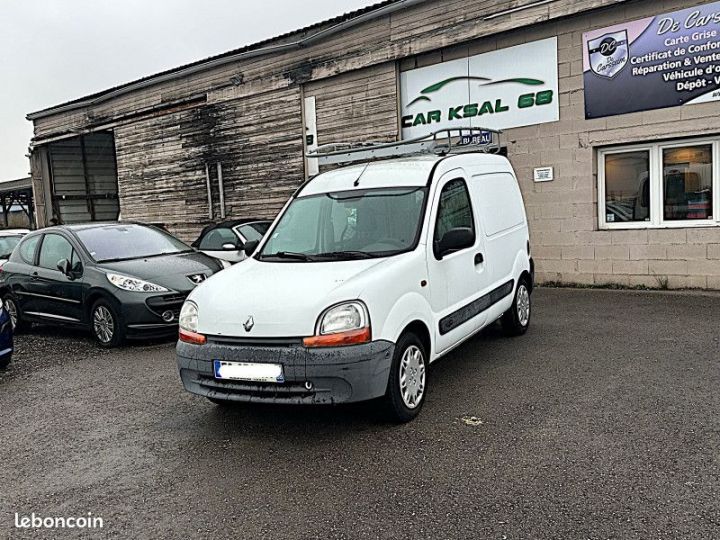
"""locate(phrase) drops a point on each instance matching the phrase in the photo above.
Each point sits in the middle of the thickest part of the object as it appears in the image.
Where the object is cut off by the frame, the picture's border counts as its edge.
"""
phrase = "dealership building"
(610, 112)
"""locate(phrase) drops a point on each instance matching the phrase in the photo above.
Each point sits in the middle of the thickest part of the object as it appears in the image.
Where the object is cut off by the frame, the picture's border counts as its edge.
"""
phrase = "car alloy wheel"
(412, 377)
(103, 324)
(523, 305)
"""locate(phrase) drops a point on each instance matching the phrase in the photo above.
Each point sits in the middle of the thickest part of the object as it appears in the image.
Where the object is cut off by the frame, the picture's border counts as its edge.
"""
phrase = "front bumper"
(312, 376)
(143, 315)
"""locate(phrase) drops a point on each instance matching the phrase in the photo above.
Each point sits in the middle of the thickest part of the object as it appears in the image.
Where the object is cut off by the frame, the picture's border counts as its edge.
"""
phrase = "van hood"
(284, 299)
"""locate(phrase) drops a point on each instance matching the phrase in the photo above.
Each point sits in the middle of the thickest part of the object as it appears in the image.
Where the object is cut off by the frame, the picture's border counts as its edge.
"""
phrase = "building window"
(659, 185)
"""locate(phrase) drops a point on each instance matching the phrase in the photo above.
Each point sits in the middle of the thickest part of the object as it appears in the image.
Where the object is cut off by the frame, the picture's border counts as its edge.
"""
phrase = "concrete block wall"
(568, 246)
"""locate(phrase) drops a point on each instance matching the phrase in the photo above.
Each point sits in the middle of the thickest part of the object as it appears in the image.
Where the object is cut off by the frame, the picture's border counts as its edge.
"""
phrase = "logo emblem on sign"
(609, 54)
(249, 323)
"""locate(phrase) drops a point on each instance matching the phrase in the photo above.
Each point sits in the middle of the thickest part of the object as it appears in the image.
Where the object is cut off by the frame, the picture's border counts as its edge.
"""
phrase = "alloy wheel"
(523, 305)
(103, 324)
(412, 377)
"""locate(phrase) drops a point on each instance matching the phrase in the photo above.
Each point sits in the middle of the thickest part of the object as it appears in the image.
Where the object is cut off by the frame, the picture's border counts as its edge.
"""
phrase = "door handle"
(34, 276)
(479, 259)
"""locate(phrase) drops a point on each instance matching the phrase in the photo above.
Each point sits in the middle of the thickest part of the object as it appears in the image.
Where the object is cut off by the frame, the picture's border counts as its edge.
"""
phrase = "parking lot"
(601, 422)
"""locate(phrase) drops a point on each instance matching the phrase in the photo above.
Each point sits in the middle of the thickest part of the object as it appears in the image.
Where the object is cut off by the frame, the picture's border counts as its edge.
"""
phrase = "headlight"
(189, 317)
(128, 283)
(343, 317)
(344, 324)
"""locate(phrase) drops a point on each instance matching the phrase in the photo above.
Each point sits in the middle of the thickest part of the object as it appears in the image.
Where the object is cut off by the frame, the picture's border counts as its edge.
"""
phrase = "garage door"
(84, 178)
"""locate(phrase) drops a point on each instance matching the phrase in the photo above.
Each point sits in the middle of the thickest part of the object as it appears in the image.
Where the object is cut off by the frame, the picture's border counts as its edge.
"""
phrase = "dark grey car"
(117, 279)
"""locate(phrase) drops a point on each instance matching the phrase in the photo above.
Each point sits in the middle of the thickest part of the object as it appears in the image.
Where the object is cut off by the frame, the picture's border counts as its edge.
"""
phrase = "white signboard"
(544, 174)
(512, 87)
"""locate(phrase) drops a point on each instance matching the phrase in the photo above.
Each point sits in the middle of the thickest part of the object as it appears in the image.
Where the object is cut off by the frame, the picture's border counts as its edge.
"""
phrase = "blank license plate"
(245, 371)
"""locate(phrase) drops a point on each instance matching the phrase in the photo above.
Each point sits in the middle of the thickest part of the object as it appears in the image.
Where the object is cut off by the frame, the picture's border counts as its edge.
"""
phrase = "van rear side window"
(500, 202)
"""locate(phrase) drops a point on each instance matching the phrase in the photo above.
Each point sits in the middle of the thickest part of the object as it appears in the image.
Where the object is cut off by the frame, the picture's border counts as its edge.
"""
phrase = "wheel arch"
(93, 296)
(421, 330)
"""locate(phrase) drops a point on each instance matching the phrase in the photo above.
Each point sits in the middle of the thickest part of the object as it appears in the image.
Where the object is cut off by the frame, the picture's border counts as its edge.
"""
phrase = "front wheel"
(516, 320)
(407, 385)
(106, 325)
(13, 310)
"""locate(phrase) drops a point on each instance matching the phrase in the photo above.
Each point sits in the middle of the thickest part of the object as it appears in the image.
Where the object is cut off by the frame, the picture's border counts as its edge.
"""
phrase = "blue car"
(6, 338)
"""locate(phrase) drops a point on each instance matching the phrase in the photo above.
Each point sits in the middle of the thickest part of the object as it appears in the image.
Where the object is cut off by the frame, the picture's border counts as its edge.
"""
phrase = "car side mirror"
(64, 266)
(251, 246)
(454, 240)
(229, 246)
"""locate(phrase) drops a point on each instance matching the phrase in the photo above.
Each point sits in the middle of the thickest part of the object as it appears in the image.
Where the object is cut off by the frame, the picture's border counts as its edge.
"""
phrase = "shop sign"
(654, 63)
(512, 87)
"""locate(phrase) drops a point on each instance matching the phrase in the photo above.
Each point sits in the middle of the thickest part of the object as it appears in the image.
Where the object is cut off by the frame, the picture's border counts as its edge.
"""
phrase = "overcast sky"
(53, 51)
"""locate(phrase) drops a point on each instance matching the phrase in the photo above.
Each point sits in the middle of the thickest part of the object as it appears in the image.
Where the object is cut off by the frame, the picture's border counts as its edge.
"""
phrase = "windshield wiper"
(288, 255)
(350, 254)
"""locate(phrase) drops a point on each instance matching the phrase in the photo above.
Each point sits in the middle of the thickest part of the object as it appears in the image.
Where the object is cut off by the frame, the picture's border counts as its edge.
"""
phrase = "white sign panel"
(544, 174)
(512, 87)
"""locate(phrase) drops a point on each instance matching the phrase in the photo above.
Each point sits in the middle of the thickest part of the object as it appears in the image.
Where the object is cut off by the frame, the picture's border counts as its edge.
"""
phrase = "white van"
(370, 273)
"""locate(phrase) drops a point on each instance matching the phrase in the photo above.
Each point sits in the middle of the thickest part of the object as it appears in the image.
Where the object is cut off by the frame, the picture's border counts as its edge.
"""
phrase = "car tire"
(407, 384)
(106, 325)
(13, 309)
(5, 361)
(516, 320)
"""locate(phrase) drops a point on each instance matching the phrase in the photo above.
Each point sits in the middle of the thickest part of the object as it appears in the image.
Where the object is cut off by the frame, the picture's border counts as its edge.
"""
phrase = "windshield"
(7, 244)
(347, 225)
(128, 241)
(253, 231)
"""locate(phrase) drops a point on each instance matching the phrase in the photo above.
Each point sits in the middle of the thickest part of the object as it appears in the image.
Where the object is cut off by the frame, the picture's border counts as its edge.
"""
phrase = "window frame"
(74, 256)
(38, 238)
(657, 189)
(435, 239)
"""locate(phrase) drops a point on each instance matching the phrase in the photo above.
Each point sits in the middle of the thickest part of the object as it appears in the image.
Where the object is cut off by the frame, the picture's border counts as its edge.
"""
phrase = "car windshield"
(128, 241)
(7, 244)
(347, 225)
(253, 231)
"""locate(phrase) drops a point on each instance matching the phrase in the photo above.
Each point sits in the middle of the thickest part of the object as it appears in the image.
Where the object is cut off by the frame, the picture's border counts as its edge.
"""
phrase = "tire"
(407, 384)
(5, 361)
(516, 320)
(15, 313)
(106, 325)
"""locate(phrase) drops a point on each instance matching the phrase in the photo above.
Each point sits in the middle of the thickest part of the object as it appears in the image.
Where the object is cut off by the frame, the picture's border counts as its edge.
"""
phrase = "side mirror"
(454, 240)
(250, 247)
(229, 246)
(64, 266)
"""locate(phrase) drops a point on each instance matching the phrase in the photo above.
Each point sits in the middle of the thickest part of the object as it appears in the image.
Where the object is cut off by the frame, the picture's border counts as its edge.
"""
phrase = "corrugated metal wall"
(357, 106)
(162, 161)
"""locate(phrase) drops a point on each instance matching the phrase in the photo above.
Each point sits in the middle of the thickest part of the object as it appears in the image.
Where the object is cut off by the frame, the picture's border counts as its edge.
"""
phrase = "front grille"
(254, 342)
(168, 302)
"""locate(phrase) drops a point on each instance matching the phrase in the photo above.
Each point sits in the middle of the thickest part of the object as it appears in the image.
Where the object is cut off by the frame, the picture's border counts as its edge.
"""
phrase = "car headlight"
(133, 284)
(343, 317)
(343, 324)
(189, 317)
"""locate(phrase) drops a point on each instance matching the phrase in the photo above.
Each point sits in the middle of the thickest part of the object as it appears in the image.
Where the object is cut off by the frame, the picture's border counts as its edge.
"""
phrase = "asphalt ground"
(601, 422)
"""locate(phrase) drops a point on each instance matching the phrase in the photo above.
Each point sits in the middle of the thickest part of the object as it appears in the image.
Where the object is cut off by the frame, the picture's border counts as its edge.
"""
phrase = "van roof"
(403, 172)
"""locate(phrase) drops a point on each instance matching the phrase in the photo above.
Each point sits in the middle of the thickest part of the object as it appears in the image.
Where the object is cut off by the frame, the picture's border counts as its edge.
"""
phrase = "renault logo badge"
(248, 325)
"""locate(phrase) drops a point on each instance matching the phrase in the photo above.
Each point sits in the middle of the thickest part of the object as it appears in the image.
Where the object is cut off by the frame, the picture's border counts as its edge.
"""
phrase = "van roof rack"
(441, 142)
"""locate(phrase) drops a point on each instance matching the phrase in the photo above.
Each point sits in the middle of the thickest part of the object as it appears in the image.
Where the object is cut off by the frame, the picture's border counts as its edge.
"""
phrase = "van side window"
(454, 209)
